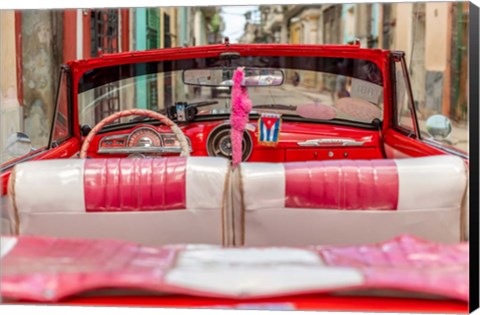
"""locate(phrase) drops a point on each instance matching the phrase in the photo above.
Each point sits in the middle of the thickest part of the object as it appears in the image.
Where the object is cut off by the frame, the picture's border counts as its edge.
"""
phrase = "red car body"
(389, 141)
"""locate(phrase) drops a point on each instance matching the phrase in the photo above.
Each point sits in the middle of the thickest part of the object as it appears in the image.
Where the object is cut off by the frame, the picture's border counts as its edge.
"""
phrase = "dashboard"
(297, 141)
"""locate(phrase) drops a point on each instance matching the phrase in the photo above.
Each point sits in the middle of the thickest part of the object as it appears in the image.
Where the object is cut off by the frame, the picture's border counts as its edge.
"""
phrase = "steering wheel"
(141, 112)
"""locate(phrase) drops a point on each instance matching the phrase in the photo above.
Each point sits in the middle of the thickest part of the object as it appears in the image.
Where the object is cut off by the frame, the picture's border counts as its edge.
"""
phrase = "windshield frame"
(358, 68)
(380, 57)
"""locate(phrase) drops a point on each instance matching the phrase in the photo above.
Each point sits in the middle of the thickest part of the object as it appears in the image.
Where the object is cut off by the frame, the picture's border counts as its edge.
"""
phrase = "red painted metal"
(261, 154)
(408, 146)
(70, 41)
(302, 302)
(375, 55)
(297, 155)
(75, 117)
(19, 58)
(135, 184)
(344, 184)
(387, 122)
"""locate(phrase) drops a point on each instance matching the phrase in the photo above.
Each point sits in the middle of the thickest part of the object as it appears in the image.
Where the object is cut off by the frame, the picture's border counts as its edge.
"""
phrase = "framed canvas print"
(318, 156)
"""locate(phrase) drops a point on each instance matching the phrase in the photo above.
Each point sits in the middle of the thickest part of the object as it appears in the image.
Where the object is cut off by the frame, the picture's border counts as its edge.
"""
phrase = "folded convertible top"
(51, 269)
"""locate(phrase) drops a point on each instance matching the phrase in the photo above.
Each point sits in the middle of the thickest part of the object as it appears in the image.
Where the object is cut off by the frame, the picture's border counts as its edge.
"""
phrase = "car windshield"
(318, 88)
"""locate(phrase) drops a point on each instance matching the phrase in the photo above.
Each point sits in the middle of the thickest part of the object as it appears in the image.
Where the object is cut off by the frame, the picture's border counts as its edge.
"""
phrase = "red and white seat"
(195, 200)
(349, 201)
(151, 201)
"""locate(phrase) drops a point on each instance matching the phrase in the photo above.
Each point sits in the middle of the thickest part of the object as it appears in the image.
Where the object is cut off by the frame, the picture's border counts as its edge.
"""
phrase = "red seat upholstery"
(344, 184)
(135, 184)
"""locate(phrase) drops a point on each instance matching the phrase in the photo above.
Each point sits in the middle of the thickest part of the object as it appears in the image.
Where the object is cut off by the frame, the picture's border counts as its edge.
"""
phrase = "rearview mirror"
(224, 77)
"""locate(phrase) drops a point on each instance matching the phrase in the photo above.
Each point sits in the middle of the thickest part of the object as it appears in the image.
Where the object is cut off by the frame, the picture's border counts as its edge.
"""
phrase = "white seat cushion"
(152, 200)
(351, 201)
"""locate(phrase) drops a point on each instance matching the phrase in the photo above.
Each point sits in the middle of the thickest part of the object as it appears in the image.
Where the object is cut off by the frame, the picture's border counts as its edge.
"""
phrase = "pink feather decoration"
(241, 106)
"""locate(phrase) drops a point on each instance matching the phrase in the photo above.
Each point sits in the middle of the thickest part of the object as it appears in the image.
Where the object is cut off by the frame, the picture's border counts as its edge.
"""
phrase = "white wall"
(10, 110)
(403, 29)
(436, 35)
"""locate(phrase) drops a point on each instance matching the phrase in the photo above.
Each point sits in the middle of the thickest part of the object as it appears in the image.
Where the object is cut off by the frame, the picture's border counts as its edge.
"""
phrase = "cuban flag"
(269, 128)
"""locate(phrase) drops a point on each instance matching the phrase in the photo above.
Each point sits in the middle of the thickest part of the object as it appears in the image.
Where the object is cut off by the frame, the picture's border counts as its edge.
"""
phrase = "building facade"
(11, 110)
(36, 42)
(434, 37)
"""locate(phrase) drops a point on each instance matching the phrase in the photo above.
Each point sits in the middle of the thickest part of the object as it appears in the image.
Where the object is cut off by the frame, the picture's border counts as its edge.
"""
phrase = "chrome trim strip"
(114, 137)
(10, 164)
(331, 142)
(141, 150)
(451, 151)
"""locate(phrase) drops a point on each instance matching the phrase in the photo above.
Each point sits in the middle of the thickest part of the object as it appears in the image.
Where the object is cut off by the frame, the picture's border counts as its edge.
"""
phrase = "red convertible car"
(307, 180)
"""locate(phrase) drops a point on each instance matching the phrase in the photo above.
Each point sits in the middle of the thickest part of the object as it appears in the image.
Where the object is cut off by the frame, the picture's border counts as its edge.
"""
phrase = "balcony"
(274, 21)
